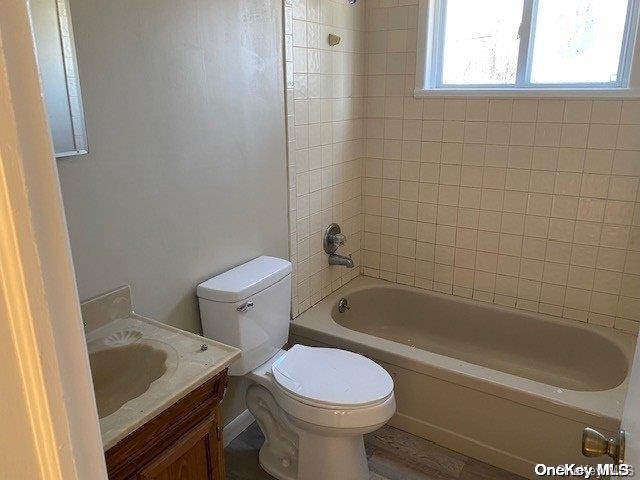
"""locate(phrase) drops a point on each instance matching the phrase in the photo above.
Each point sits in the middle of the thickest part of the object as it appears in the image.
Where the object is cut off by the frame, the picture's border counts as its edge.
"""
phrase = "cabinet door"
(197, 455)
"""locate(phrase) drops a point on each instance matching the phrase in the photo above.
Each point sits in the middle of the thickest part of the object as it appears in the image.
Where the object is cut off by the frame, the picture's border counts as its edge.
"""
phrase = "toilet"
(313, 404)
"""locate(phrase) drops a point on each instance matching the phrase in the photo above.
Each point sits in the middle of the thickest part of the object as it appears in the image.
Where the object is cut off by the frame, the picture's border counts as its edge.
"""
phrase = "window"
(528, 44)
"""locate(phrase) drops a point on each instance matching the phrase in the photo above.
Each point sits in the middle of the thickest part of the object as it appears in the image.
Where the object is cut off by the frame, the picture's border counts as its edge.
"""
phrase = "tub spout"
(335, 259)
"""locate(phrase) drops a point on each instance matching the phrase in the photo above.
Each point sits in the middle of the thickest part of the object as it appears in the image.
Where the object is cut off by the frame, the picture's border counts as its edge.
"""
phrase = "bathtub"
(507, 387)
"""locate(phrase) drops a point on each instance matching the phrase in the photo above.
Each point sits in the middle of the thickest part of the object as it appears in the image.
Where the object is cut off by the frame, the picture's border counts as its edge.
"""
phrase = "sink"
(123, 373)
(140, 366)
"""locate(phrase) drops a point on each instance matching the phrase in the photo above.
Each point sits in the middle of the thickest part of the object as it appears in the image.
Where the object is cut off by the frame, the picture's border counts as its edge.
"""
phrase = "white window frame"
(429, 53)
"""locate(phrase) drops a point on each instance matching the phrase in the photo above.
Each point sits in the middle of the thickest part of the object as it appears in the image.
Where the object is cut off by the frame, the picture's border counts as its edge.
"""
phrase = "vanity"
(158, 392)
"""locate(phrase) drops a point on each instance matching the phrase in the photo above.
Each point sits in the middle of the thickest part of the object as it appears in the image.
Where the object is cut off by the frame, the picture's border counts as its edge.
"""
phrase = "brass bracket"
(333, 40)
(595, 444)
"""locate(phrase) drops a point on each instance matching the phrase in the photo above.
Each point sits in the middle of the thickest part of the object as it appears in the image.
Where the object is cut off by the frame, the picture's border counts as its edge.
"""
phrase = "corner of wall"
(326, 136)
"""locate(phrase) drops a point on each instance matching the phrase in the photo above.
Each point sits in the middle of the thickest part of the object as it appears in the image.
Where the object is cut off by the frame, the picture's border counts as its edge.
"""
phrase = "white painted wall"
(186, 174)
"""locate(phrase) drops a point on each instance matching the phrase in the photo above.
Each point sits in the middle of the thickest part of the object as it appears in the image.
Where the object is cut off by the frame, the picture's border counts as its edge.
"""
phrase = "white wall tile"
(531, 203)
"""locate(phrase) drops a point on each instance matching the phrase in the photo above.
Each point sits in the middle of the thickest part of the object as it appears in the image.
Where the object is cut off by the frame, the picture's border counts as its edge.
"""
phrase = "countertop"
(188, 365)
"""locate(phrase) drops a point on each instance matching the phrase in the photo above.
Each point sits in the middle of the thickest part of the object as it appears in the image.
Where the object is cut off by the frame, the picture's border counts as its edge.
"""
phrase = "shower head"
(353, 2)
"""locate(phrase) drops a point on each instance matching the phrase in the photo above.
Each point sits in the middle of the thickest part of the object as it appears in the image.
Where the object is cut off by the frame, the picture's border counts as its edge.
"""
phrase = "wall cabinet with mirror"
(58, 68)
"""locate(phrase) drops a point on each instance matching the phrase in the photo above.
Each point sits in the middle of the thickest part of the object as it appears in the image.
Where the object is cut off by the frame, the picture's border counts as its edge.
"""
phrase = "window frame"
(430, 47)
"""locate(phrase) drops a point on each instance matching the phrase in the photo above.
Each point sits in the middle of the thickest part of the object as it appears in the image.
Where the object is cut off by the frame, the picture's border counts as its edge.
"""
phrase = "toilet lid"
(332, 377)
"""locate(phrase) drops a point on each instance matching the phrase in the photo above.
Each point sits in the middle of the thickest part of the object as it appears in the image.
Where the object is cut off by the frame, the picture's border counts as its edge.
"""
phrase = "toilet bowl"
(313, 404)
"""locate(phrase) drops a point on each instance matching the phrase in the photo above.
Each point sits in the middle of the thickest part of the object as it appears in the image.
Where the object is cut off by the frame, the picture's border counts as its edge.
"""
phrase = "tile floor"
(393, 455)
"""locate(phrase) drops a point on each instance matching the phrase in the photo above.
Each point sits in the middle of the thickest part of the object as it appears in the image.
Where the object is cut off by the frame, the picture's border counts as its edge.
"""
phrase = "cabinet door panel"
(190, 423)
(193, 465)
(192, 457)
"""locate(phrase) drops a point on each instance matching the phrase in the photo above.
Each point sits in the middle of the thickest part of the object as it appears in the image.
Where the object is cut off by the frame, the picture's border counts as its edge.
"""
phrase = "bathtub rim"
(601, 409)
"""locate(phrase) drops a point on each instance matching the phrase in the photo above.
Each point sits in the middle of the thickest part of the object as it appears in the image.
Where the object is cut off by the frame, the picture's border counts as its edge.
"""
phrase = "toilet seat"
(331, 379)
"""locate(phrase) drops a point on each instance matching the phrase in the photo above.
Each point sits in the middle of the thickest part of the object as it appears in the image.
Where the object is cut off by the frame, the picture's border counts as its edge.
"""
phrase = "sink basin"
(123, 373)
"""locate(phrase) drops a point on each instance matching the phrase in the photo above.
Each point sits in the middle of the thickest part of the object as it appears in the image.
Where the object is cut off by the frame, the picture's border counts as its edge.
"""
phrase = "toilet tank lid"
(244, 280)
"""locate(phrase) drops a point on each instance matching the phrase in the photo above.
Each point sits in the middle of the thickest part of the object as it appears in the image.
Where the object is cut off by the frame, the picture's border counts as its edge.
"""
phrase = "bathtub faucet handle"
(333, 239)
(338, 239)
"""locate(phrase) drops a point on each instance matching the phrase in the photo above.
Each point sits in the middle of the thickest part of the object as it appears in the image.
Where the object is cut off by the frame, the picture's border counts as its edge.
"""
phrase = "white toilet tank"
(248, 307)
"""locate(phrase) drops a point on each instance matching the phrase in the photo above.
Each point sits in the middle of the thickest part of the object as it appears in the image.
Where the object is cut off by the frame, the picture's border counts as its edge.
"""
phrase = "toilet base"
(272, 465)
(326, 457)
(295, 450)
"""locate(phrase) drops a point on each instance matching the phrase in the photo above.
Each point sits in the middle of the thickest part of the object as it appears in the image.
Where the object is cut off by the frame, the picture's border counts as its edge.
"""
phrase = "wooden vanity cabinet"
(184, 442)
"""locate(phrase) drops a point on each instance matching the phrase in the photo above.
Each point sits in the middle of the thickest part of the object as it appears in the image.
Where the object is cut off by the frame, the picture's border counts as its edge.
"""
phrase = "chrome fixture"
(333, 239)
(595, 444)
(343, 305)
(245, 306)
(335, 259)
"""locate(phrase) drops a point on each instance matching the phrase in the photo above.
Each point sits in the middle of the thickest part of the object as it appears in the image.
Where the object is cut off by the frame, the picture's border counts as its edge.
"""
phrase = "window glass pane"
(481, 41)
(578, 41)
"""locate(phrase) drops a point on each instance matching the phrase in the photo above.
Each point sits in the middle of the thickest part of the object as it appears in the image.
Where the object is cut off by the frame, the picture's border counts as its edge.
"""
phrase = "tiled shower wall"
(529, 203)
(325, 131)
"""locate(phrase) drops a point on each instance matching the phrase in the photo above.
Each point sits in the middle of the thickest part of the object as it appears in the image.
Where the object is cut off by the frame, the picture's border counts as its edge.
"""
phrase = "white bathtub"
(507, 387)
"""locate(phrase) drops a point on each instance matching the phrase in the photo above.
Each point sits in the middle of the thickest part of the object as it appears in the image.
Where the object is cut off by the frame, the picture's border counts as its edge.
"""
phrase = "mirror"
(55, 52)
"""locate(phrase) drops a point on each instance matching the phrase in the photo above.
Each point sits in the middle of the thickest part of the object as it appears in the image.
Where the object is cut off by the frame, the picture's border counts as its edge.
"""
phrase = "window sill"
(588, 93)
